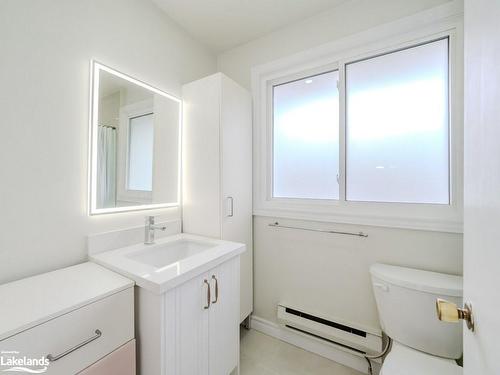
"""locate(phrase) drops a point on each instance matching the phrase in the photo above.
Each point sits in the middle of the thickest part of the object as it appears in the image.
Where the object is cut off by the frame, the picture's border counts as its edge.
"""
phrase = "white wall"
(46, 46)
(348, 18)
(328, 273)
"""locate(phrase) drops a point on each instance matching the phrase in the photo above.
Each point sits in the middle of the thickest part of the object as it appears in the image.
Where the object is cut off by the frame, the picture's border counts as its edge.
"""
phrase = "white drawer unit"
(88, 313)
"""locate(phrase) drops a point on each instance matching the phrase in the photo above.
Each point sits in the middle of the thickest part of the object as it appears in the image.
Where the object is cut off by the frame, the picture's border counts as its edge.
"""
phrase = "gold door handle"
(449, 312)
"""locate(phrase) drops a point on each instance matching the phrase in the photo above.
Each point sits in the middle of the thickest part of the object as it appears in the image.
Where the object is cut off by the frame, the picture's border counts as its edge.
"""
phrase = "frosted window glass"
(140, 161)
(306, 138)
(397, 126)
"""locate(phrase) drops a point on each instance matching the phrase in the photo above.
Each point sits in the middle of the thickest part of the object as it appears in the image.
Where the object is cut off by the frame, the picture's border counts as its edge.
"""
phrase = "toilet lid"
(403, 360)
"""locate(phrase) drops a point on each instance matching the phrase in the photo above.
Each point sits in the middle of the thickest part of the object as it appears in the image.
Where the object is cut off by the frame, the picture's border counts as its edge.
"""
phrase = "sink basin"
(169, 262)
(171, 252)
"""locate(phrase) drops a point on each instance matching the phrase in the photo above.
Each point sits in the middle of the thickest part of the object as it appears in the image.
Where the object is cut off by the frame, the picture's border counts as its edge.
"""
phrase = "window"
(371, 135)
(306, 138)
(397, 147)
(140, 153)
(396, 138)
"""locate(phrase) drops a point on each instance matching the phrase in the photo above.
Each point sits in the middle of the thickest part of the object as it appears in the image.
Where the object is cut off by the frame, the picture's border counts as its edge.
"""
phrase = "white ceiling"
(223, 24)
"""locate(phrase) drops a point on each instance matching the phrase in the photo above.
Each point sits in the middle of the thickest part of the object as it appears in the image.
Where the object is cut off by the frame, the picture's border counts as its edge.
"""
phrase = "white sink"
(170, 261)
(169, 252)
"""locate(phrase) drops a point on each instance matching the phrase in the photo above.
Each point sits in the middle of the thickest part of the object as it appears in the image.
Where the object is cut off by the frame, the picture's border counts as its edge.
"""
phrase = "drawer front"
(120, 362)
(112, 317)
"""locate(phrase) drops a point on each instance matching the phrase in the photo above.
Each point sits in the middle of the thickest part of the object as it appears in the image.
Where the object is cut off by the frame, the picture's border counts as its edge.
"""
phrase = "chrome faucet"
(149, 230)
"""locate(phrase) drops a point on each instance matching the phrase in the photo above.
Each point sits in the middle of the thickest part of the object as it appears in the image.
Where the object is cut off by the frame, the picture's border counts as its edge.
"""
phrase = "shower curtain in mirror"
(106, 167)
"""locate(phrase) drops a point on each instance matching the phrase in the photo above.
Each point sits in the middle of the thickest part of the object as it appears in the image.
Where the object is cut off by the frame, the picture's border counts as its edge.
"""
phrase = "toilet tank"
(406, 302)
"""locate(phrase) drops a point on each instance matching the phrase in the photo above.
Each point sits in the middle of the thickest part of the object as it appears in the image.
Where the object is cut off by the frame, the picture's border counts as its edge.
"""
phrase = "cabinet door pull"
(230, 207)
(208, 294)
(53, 358)
(216, 289)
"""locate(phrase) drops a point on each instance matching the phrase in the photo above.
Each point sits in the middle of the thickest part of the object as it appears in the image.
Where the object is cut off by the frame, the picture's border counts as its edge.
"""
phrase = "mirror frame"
(95, 69)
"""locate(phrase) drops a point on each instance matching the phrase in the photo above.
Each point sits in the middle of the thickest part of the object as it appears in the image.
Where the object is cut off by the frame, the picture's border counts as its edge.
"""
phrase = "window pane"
(397, 126)
(140, 162)
(306, 138)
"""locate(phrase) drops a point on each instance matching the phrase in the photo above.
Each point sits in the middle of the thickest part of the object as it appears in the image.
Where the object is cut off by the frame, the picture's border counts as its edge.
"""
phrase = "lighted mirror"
(135, 144)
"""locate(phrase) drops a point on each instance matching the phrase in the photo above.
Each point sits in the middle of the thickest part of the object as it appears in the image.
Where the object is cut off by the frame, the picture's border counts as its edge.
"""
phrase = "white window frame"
(123, 193)
(409, 32)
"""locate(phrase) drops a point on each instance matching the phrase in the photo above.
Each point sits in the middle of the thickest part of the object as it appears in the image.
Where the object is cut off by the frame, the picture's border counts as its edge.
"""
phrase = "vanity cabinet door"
(186, 327)
(224, 316)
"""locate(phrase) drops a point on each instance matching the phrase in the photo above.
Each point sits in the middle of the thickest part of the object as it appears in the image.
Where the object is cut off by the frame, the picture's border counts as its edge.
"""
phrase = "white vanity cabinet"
(192, 329)
(217, 168)
(80, 319)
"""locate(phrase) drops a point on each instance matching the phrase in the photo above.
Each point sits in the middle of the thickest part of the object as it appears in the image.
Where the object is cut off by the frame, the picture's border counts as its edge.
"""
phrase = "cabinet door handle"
(208, 294)
(216, 289)
(230, 206)
(53, 358)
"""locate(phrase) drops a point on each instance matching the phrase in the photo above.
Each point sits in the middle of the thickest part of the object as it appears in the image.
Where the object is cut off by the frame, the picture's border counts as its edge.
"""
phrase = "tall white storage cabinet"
(217, 168)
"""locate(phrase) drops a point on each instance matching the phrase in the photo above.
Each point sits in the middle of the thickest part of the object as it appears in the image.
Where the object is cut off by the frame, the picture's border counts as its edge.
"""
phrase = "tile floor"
(265, 355)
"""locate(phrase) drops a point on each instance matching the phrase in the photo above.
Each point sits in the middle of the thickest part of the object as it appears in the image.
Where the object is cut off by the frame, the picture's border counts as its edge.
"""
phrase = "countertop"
(161, 279)
(32, 301)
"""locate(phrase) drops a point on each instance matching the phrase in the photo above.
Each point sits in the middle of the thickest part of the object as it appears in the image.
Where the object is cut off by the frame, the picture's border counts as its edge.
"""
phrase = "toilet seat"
(403, 360)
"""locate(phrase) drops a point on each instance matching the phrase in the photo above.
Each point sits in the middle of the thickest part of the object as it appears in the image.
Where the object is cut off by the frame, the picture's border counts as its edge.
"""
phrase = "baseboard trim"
(309, 343)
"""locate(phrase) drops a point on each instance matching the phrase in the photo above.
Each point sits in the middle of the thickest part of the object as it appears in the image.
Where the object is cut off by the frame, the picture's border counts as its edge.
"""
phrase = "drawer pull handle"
(53, 358)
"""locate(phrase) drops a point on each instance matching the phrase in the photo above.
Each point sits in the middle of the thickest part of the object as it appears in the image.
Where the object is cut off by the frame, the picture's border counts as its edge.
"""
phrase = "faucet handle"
(150, 224)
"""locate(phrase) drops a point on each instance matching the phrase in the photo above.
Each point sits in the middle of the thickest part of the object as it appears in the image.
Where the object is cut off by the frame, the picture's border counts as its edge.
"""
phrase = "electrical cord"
(380, 355)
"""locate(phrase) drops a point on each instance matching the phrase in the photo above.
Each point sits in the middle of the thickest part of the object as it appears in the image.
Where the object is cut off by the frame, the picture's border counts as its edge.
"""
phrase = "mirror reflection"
(135, 130)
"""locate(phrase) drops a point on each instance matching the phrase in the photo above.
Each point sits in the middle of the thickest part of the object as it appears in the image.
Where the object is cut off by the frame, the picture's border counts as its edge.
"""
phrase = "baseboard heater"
(346, 336)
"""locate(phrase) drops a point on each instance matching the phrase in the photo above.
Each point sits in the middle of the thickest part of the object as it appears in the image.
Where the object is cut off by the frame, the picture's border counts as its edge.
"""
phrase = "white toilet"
(406, 302)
